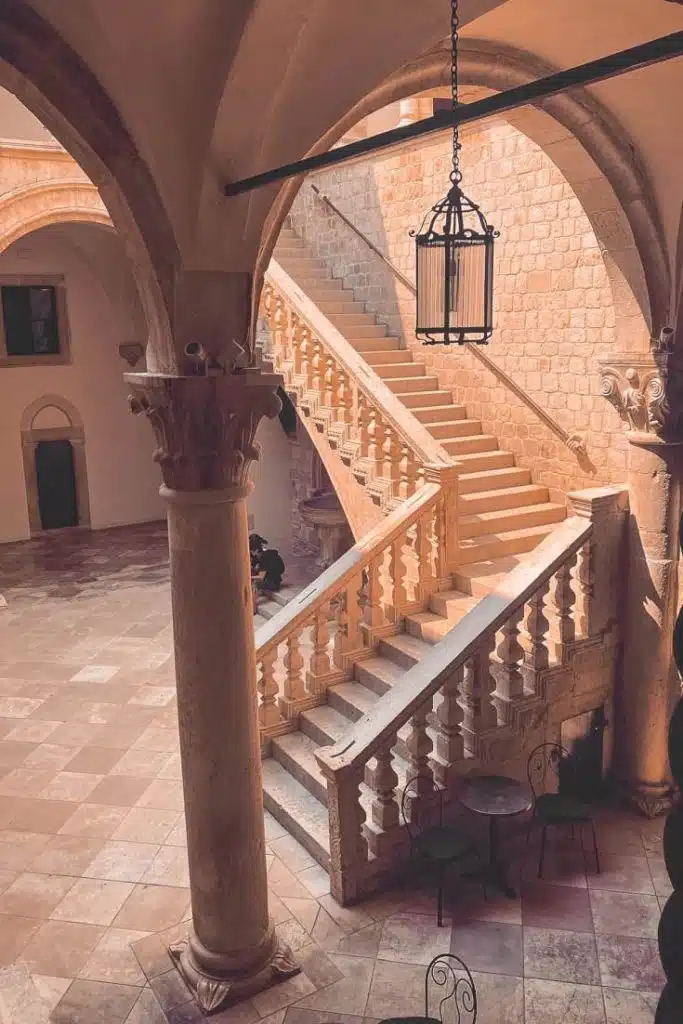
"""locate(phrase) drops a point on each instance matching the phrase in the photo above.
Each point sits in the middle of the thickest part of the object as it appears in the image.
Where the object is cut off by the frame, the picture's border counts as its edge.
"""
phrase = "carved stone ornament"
(132, 352)
(205, 425)
(214, 994)
(648, 393)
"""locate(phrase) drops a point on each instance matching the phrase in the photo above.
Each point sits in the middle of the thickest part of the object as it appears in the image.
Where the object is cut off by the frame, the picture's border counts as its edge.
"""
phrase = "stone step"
(478, 482)
(390, 370)
(358, 334)
(351, 699)
(429, 626)
(340, 305)
(443, 412)
(379, 345)
(302, 264)
(507, 519)
(504, 497)
(332, 288)
(324, 724)
(452, 604)
(497, 545)
(412, 384)
(297, 810)
(378, 674)
(403, 649)
(398, 355)
(415, 400)
(305, 272)
(481, 461)
(470, 443)
(295, 752)
(350, 322)
(480, 578)
(448, 429)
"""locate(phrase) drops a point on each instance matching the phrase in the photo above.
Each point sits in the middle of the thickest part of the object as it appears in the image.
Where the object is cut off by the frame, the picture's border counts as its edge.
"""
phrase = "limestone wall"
(554, 313)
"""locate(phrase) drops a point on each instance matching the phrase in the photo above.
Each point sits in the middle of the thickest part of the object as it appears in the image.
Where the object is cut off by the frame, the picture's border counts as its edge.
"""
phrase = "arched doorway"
(53, 450)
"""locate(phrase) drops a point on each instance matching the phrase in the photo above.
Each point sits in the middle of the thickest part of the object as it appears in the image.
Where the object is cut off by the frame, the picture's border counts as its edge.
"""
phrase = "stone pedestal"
(324, 513)
(205, 427)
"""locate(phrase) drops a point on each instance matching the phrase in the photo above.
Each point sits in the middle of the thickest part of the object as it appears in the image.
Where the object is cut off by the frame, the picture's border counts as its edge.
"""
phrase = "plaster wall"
(554, 313)
(270, 502)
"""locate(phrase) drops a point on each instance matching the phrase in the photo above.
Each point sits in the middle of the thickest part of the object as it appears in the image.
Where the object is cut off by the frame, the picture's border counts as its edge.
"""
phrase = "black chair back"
(449, 978)
(549, 763)
(421, 786)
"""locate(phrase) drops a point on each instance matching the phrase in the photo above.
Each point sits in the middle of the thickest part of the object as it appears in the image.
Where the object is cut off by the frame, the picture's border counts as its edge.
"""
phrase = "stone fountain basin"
(322, 510)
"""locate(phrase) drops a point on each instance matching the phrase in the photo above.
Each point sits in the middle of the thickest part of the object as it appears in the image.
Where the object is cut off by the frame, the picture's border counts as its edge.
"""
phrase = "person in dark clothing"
(257, 545)
(271, 570)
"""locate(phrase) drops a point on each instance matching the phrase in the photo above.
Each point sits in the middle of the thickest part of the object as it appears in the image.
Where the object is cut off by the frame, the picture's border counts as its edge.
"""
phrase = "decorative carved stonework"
(132, 352)
(648, 392)
(205, 425)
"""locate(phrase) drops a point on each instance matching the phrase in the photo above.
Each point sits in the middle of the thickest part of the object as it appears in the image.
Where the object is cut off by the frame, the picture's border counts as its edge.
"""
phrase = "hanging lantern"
(454, 255)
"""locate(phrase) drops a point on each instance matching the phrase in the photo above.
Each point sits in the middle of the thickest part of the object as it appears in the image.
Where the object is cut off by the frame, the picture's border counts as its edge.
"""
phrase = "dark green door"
(56, 484)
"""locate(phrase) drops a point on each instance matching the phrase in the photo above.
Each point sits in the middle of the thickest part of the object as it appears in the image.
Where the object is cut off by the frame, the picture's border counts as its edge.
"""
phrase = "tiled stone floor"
(92, 847)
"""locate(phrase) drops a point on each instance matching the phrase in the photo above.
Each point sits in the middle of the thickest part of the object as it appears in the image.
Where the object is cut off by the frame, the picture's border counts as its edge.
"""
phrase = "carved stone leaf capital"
(647, 392)
(205, 425)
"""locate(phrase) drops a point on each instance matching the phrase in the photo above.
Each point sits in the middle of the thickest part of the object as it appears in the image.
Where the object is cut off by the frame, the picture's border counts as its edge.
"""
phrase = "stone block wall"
(554, 313)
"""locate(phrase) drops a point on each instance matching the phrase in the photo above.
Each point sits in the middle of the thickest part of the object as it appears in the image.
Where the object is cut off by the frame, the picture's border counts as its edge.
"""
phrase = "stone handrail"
(575, 442)
(391, 571)
(319, 331)
(482, 694)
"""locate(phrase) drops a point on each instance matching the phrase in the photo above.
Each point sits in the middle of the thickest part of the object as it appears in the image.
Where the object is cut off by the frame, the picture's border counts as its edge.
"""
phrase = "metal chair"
(439, 845)
(449, 972)
(546, 761)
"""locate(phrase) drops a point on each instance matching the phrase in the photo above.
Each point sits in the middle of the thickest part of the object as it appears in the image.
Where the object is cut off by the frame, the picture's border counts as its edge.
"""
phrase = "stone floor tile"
(562, 866)
(76, 786)
(305, 911)
(489, 946)
(467, 903)
(93, 901)
(33, 814)
(17, 707)
(60, 948)
(34, 895)
(153, 908)
(20, 999)
(273, 828)
(50, 989)
(146, 1010)
(6, 879)
(94, 821)
(629, 1007)
(95, 1002)
(326, 933)
(291, 853)
(556, 1002)
(26, 781)
(155, 738)
(412, 939)
(364, 942)
(122, 861)
(18, 848)
(349, 919)
(169, 867)
(284, 994)
(31, 730)
(50, 755)
(396, 990)
(284, 883)
(95, 674)
(178, 834)
(15, 934)
(13, 753)
(315, 879)
(560, 956)
(660, 875)
(624, 874)
(94, 760)
(625, 913)
(629, 963)
(293, 934)
(141, 764)
(113, 959)
(66, 855)
(545, 905)
(163, 794)
(500, 999)
(147, 825)
(349, 995)
(120, 790)
(278, 911)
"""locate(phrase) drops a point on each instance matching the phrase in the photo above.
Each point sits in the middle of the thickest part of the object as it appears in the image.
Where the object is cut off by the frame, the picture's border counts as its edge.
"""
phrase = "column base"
(215, 991)
(650, 798)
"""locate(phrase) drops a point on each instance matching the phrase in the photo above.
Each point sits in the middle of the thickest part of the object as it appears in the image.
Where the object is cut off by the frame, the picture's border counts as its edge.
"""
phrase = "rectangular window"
(30, 320)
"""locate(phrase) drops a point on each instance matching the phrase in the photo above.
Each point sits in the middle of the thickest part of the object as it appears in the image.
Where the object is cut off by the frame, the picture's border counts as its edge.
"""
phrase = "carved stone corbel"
(648, 392)
(132, 352)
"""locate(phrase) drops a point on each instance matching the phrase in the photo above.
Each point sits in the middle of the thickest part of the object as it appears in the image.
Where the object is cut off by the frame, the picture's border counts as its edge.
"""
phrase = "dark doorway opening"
(57, 499)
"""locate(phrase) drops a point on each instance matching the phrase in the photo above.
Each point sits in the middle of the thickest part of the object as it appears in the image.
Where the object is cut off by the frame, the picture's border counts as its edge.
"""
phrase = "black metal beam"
(642, 56)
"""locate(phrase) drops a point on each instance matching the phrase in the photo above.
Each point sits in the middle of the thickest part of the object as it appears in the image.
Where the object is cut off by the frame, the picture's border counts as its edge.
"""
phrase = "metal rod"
(633, 59)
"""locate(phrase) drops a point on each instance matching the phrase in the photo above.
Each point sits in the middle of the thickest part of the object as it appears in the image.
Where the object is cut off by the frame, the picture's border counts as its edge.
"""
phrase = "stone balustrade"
(504, 678)
(384, 445)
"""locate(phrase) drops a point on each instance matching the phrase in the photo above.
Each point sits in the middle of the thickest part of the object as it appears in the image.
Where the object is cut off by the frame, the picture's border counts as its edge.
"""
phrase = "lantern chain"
(456, 175)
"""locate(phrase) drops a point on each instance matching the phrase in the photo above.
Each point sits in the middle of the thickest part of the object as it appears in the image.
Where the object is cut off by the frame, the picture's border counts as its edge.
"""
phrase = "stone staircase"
(502, 516)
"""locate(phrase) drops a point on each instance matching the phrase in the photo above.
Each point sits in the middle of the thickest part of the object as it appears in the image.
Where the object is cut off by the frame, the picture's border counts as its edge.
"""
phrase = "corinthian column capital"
(205, 425)
(647, 391)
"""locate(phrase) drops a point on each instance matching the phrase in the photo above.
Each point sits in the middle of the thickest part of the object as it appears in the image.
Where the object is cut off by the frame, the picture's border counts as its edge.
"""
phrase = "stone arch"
(44, 203)
(588, 146)
(68, 99)
(31, 435)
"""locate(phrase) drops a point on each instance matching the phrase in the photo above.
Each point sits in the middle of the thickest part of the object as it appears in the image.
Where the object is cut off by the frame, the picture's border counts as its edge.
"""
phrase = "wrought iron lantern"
(454, 254)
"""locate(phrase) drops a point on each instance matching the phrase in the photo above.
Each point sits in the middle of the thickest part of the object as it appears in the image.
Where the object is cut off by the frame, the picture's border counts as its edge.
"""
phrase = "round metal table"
(495, 797)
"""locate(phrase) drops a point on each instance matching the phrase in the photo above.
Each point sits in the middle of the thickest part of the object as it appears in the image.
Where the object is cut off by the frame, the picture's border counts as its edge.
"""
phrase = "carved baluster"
(348, 846)
(391, 457)
(331, 383)
(294, 688)
(317, 367)
(425, 552)
(535, 631)
(398, 574)
(267, 688)
(306, 349)
(344, 398)
(320, 668)
(376, 440)
(372, 595)
(419, 746)
(440, 537)
(509, 674)
(278, 330)
(347, 638)
(364, 422)
(267, 300)
(449, 742)
(478, 685)
(562, 627)
(295, 337)
(586, 582)
(384, 781)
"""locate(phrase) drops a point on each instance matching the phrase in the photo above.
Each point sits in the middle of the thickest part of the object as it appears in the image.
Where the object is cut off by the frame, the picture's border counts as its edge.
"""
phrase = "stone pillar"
(205, 427)
(647, 395)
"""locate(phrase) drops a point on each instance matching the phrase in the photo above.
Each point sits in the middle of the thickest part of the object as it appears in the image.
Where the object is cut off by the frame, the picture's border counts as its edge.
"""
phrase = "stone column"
(647, 395)
(205, 428)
